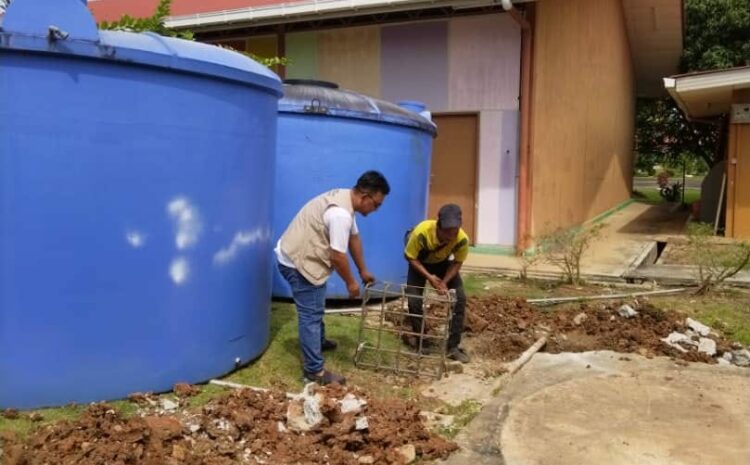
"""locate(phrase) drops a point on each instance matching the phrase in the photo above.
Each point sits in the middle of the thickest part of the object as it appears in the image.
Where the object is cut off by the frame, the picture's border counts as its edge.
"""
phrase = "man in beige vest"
(314, 244)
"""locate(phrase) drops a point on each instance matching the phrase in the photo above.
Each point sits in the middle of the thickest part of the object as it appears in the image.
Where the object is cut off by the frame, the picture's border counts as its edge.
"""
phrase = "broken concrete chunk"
(408, 453)
(303, 411)
(280, 427)
(741, 358)
(707, 346)
(366, 460)
(361, 424)
(674, 339)
(350, 403)
(303, 414)
(727, 356)
(626, 311)
(723, 361)
(698, 327)
(168, 405)
(579, 319)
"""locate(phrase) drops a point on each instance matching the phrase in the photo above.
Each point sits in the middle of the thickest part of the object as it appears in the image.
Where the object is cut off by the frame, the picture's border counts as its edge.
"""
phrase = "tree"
(717, 36)
(155, 23)
(663, 135)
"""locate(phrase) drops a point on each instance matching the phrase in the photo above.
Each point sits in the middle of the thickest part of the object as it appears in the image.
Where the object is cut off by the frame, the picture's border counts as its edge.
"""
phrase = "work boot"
(325, 378)
(328, 344)
(458, 354)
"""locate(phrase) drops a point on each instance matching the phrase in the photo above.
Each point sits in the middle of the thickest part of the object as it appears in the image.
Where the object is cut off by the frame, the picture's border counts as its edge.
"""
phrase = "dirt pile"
(241, 427)
(510, 326)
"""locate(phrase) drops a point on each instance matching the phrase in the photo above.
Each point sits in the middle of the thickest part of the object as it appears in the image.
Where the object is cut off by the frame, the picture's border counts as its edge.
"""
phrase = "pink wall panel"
(414, 63)
(484, 54)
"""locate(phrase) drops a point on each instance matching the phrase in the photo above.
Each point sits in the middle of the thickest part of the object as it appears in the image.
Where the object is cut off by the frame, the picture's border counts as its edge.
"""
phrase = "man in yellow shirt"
(435, 250)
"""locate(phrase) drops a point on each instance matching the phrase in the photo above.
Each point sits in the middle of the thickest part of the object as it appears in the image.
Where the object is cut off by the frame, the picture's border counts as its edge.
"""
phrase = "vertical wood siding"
(583, 112)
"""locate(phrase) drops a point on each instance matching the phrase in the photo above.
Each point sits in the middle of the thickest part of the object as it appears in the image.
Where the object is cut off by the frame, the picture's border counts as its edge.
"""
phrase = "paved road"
(692, 183)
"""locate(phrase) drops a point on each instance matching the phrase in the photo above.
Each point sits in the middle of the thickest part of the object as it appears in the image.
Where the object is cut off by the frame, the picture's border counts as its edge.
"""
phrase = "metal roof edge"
(300, 11)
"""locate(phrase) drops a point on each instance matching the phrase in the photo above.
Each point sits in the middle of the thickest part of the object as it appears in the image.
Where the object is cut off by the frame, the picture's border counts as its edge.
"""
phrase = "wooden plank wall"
(583, 111)
(351, 58)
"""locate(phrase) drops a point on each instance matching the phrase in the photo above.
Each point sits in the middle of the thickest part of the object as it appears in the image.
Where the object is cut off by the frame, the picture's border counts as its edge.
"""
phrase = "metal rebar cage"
(393, 339)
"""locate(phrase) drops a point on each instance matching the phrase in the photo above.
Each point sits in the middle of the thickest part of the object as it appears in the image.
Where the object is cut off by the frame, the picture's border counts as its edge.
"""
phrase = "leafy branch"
(156, 23)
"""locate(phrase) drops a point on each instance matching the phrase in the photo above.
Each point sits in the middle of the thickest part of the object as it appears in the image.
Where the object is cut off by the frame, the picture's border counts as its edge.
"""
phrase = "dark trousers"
(415, 283)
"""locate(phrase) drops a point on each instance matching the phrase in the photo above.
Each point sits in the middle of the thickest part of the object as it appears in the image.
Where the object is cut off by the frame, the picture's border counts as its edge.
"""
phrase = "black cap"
(449, 216)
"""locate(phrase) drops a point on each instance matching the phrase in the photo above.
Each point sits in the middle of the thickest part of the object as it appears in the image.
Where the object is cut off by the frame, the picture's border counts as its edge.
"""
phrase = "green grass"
(727, 311)
(22, 426)
(481, 284)
(279, 366)
(651, 195)
(462, 413)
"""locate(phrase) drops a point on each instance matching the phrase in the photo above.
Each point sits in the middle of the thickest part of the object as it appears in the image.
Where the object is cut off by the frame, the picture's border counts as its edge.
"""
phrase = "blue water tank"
(136, 173)
(327, 138)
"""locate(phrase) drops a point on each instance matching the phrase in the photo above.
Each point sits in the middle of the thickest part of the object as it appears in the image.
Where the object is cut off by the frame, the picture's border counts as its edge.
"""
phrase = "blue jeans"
(311, 303)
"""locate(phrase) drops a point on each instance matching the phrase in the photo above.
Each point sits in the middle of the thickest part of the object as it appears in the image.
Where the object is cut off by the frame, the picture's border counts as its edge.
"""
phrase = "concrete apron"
(608, 408)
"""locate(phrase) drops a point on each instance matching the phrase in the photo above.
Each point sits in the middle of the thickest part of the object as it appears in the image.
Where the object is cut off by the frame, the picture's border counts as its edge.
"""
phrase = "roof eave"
(681, 87)
(314, 9)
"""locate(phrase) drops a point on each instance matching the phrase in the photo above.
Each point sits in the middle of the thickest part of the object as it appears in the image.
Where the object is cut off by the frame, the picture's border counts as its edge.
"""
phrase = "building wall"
(583, 112)
(738, 175)
(467, 64)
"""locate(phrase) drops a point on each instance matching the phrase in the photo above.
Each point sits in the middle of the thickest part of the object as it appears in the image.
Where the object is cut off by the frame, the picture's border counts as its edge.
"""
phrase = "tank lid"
(66, 27)
(326, 99)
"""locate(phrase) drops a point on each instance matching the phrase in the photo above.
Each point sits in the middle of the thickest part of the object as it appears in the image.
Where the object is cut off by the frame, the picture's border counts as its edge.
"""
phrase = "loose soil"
(241, 427)
(503, 328)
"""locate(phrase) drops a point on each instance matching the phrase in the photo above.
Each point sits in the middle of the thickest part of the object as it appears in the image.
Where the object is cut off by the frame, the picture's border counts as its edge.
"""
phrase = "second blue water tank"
(327, 137)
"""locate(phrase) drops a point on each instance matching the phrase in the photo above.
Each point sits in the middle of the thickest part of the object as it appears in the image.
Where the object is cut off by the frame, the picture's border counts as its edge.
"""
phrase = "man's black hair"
(372, 182)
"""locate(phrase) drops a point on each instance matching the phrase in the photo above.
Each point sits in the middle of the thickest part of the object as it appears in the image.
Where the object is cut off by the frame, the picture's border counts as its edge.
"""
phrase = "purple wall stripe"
(414, 63)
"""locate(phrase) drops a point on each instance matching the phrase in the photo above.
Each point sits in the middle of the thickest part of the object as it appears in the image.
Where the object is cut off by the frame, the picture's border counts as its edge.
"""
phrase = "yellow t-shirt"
(423, 245)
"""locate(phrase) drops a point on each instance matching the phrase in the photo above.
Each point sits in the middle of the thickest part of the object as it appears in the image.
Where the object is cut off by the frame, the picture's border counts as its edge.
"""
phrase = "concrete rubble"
(707, 346)
(408, 452)
(698, 327)
(626, 311)
(696, 338)
(579, 319)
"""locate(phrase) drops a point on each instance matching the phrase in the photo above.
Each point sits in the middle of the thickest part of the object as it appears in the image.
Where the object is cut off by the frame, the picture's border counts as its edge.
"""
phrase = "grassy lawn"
(651, 195)
(280, 365)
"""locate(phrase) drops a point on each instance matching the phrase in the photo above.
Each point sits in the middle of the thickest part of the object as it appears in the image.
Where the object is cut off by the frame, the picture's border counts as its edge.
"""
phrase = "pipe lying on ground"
(559, 300)
(518, 363)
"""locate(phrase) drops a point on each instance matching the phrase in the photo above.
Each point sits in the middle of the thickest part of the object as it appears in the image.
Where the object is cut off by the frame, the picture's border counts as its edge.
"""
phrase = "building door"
(739, 214)
(454, 167)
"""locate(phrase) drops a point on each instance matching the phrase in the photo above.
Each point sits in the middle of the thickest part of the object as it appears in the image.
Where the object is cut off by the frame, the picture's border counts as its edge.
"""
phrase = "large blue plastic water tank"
(327, 138)
(136, 173)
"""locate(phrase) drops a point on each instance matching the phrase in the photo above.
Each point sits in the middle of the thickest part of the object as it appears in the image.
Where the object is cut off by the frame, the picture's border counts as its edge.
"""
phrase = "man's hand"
(367, 277)
(353, 289)
(438, 284)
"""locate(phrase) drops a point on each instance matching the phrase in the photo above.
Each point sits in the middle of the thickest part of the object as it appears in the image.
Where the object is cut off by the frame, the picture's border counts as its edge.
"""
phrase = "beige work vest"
(306, 241)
